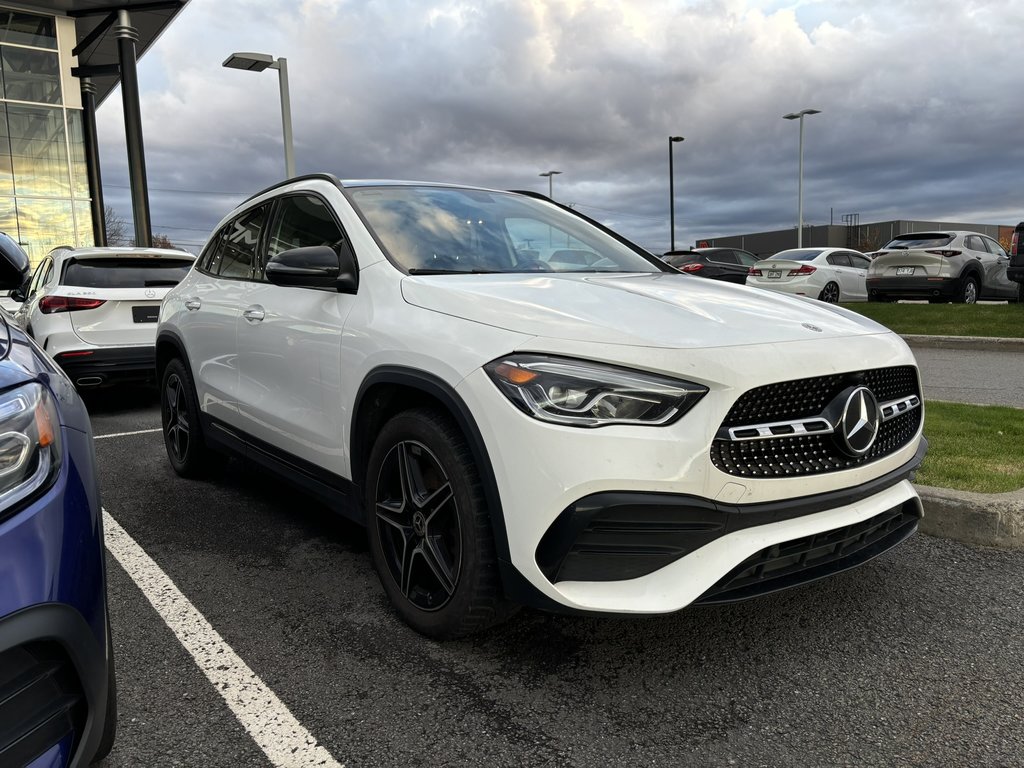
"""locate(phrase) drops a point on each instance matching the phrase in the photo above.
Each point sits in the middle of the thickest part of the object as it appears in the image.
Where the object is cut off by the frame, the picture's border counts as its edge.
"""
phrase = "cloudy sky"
(922, 107)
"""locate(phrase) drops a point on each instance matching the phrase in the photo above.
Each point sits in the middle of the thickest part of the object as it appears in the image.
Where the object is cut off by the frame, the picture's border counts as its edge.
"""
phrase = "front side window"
(426, 229)
(302, 221)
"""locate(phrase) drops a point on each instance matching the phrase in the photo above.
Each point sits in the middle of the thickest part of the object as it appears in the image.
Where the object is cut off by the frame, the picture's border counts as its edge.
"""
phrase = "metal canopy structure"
(96, 44)
(110, 35)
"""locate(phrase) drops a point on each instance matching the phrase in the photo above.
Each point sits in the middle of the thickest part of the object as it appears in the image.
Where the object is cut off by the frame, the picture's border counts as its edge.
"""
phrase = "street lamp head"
(549, 173)
(254, 62)
(676, 138)
(801, 113)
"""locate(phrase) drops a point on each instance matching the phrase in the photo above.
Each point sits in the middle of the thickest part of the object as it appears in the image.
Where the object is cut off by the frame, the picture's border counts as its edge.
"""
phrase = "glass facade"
(44, 190)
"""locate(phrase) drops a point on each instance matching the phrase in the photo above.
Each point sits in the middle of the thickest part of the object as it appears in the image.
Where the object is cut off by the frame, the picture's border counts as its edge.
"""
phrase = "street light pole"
(257, 62)
(800, 182)
(672, 190)
(550, 175)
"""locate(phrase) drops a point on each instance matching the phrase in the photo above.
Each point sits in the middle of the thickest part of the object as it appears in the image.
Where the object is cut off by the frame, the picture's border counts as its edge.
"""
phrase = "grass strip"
(973, 447)
(1006, 320)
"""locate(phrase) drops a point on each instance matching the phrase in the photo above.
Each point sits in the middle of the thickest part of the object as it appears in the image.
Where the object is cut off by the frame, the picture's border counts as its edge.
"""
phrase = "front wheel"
(429, 529)
(968, 293)
(830, 293)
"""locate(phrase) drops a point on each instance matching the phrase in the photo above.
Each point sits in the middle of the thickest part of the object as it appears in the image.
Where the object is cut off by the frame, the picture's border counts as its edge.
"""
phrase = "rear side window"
(838, 260)
(232, 251)
(723, 257)
(125, 273)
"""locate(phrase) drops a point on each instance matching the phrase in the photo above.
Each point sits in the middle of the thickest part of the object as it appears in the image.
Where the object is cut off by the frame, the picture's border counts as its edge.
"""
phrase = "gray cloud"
(920, 106)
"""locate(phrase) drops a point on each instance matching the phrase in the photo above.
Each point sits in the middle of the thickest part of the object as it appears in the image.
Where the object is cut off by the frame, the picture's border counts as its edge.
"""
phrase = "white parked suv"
(94, 310)
(599, 434)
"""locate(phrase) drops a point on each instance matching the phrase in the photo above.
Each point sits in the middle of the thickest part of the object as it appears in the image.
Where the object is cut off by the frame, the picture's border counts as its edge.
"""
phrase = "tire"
(179, 416)
(830, 293)
(110, 717)
(968, 290)
(429, 529)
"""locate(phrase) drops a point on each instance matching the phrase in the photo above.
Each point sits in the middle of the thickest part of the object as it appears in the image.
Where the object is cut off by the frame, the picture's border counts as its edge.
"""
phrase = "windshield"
(919, 240)
(440, 230)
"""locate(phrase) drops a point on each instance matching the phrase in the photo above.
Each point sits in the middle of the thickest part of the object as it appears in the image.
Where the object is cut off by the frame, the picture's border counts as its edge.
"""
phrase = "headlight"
(30, 443)
(585, 394)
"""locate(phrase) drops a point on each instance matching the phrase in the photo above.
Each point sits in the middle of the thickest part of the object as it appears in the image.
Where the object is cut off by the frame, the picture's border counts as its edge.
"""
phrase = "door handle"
(254, 314)
(193, 304)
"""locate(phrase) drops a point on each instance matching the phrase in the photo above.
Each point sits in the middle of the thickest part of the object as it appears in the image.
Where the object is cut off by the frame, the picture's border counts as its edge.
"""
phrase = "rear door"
(131, 289)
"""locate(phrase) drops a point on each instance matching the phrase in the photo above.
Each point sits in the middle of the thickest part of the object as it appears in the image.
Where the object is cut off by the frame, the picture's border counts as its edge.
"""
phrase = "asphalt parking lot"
(913, 659)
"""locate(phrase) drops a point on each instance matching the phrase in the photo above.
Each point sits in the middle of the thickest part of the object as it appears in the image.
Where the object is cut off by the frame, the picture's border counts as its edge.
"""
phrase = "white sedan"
(827, 274)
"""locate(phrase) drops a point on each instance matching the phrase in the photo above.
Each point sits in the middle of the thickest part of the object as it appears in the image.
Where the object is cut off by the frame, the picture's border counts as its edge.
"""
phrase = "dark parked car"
(729, 264)
(57, 692)
(1015, 270)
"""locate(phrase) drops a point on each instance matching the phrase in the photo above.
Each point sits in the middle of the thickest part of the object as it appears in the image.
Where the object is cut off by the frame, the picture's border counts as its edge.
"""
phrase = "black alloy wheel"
(429, 527)
(179, 412)
(830, 293)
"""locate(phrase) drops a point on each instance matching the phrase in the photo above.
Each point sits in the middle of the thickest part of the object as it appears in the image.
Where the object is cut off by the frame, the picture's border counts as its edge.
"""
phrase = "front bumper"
(913, 287)
(100, 366)
(706, 523)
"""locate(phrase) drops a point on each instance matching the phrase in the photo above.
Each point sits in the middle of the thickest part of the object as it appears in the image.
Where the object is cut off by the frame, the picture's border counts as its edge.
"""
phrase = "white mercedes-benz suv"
(524, 407)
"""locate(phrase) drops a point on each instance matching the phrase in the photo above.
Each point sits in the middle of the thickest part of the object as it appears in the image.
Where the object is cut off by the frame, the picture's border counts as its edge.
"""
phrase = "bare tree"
(117, 228)
(163, 241)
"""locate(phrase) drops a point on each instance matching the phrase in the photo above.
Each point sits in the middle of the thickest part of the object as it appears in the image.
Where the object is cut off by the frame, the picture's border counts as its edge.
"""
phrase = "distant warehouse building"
(861, 237)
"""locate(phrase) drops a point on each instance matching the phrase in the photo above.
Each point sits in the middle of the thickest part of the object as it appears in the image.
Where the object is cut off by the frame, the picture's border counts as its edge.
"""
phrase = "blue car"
(57, 693)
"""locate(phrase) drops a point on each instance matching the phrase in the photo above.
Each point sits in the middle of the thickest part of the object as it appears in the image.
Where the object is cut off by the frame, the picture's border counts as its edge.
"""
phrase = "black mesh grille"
(800, 455)
(41, 701)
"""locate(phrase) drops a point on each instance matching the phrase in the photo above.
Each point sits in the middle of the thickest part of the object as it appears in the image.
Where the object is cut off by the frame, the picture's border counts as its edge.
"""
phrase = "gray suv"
(962, 267)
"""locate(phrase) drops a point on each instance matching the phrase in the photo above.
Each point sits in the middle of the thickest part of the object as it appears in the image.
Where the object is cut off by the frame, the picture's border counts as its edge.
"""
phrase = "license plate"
(774, 274)
(145, 314)
(904, 270)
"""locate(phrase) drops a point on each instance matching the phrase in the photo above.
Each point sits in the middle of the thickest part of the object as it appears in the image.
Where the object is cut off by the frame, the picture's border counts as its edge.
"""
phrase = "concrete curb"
(988, 519)
(1000, 344)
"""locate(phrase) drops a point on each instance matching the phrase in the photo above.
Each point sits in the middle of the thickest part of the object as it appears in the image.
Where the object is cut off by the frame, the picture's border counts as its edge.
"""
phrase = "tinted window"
(303, 221)
(920, 240)
(235, 254)
(860, 262)
(802, 254)
(723, 257)
(125, 273)
(838, 260)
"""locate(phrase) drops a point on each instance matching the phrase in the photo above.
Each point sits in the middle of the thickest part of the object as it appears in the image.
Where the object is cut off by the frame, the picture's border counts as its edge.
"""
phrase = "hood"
(674, 311)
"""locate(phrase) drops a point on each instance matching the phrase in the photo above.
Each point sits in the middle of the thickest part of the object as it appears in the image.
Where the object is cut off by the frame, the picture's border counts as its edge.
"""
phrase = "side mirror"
(317, 266)
(13, 265)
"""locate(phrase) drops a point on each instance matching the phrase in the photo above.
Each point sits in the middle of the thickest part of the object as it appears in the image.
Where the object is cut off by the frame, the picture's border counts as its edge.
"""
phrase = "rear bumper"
(99, 366)
(913, 287)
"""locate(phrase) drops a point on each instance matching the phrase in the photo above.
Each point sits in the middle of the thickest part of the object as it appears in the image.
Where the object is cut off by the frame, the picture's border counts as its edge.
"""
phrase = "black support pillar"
(92, 162)
(127, 35)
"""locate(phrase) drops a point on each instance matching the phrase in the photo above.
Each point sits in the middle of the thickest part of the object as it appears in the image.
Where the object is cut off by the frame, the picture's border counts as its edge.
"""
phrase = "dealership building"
(58, 60)
(860, 237)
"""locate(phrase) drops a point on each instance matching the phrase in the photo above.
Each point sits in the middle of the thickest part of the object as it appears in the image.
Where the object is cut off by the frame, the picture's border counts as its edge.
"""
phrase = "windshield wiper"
(428, 271)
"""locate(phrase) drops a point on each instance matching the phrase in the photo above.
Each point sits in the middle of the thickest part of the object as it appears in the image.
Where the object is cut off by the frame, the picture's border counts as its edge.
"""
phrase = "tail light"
(804, 269)
(755, 272)
(50, 304)
(692, 267)
(946, 253)
(1014, 243)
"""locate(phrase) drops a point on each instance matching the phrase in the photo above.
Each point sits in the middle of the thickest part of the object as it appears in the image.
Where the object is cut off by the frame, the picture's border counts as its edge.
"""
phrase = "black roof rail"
(305, 177)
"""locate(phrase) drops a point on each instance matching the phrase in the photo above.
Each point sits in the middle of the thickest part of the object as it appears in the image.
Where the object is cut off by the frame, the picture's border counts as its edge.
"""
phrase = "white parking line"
(281, 737)
(126, 434)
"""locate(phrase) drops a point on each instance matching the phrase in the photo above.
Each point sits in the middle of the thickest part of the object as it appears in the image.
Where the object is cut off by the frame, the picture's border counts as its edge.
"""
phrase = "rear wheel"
(830, 293)
(183, 437)
(429, 528)
(968, 292)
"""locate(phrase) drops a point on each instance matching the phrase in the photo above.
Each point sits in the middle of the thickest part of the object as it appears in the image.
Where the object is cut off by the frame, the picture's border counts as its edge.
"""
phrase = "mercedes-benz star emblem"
(858, 426)
(150, 293)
